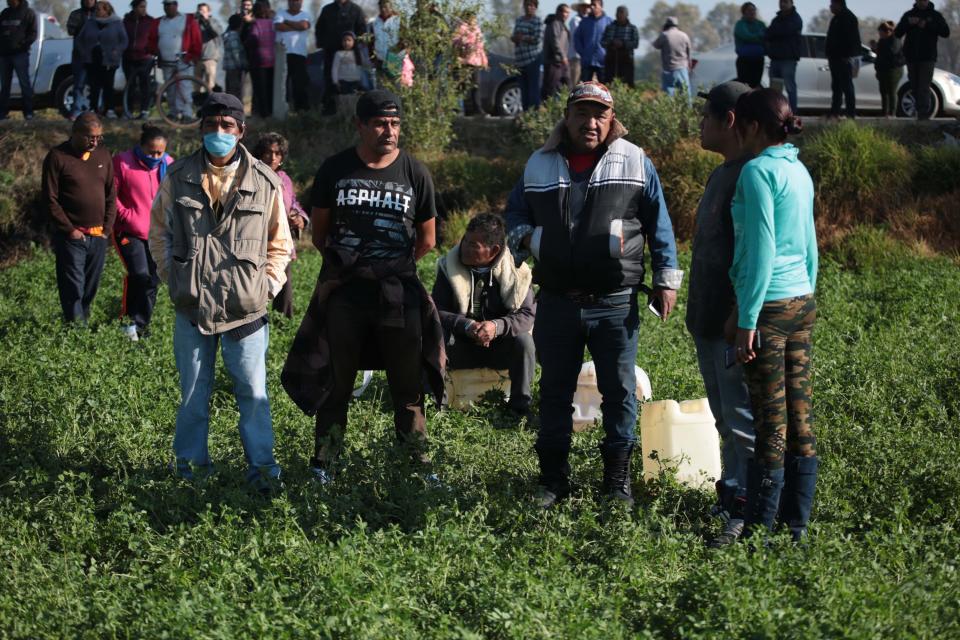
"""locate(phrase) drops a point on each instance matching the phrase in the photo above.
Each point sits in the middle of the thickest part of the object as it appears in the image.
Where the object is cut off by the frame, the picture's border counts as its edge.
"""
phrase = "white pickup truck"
(50, 68)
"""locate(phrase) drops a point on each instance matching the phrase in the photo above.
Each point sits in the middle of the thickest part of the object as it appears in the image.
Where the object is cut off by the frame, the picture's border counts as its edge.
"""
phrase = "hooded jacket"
(107, 33)
(601, 251)
(843, 36)
(783, 41)
(587, 38)
(18, 29)
(76, 20)
(556, 40)
(920, 42)
(138, 37)
(748, 38)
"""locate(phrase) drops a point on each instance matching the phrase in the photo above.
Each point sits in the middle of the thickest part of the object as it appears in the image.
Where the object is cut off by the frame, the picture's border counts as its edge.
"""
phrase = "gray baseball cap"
(724, 96)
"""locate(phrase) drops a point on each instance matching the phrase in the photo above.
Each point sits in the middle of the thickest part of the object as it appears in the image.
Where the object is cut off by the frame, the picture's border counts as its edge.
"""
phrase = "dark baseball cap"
(222, 104)
(379, 102)
(591, 92)
(724, 96)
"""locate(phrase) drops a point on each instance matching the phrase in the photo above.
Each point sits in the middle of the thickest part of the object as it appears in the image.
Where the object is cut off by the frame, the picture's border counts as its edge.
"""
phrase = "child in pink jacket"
(137, 174)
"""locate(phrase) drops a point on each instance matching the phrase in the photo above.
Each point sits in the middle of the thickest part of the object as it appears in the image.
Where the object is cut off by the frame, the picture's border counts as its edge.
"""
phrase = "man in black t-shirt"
(373, 216)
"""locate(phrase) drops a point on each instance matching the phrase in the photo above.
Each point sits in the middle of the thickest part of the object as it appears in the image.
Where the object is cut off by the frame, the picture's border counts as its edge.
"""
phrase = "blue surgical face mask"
(218, 144)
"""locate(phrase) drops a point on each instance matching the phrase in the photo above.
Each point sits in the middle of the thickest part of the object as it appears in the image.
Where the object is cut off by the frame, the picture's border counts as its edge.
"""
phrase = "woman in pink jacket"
(137, 174)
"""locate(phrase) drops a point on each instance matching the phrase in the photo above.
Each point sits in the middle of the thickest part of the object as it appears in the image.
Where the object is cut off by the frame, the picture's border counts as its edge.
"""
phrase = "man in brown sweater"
(79, 194)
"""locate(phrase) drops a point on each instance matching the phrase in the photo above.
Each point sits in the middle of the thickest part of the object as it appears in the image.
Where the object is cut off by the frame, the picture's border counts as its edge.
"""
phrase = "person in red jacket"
(138, 58)
(175, 38)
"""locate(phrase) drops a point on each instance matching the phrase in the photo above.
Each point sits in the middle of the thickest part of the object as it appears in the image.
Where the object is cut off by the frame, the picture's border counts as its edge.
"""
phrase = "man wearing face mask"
(221, 242)
(587, 203)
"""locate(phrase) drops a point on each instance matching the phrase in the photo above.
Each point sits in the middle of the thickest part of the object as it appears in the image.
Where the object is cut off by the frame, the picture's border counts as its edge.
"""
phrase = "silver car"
(813, 80)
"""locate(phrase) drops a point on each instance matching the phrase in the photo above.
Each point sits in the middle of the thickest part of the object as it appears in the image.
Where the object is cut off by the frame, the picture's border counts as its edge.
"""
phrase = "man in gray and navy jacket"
(586, 205)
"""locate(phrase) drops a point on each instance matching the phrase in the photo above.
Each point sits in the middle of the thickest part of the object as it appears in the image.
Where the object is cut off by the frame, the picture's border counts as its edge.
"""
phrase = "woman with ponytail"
(774, 275)
(138, 174)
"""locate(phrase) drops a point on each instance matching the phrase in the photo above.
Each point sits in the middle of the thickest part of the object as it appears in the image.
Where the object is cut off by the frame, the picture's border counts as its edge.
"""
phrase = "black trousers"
(79, 267)
(100, 79)
(262, 80)
(556, 75)
(618, 65)
(283, 302)
(141, 282)
(354, 321)
(298, 81)
(841, 87)
(234, 82)
(329, 90)
(750, 70)
(514, 353)
(138, 73)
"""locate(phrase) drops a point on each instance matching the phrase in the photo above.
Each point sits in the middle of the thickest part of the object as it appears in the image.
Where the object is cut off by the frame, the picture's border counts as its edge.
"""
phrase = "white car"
(813, 80)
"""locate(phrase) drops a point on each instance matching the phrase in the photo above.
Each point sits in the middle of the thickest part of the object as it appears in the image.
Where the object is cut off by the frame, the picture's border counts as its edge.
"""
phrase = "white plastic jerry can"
(684, 435)
(587, 398)
(466, 386)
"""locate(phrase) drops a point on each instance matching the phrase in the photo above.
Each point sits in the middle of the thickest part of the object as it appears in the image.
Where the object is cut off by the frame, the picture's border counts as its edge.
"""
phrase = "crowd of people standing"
(216, 227)
(912, 43)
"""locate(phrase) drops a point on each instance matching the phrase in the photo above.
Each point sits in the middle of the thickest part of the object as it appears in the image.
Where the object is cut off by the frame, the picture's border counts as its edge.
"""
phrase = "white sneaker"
(130, 332)
(111, 114)
(321, 476)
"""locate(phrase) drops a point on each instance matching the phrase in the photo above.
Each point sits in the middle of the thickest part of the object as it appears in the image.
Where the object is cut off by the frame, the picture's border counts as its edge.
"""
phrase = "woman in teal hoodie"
(774, 275)
(748, 36)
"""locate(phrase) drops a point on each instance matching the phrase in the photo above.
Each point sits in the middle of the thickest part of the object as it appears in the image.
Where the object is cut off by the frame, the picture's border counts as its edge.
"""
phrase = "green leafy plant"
(859, 171)
(937, 169)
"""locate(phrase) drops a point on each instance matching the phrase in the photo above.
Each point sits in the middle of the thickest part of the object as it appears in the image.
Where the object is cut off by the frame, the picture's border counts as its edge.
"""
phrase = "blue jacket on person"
(107, 33)
(586, 40)
(783, 41)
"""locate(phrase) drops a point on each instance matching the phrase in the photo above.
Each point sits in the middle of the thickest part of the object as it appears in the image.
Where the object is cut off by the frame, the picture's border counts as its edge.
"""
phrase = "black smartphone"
(730, 355)
(653, 304)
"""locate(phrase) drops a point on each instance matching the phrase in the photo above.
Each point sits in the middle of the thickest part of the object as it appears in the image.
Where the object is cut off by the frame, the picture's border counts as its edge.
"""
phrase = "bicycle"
(193, 93)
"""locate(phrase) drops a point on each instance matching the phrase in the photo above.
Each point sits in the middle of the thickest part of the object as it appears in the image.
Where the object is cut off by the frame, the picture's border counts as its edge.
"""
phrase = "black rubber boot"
(616, 475)
(763, 497)
(554, 483)
(733, 526)
(800, 482)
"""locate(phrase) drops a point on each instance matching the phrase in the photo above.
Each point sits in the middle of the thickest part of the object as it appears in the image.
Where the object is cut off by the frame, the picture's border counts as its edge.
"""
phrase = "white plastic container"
(684, 435)
(466, 386)
(587, 398)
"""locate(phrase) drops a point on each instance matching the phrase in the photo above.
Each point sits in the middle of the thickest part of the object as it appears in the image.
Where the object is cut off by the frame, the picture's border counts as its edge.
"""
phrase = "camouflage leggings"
(779, 380)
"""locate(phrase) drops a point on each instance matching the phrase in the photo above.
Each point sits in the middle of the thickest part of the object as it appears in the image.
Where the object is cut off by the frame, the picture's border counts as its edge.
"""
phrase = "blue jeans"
(786, 70)
(245, 360)
(609, 328)
(19, 63)
(530, 85)
(671, 80)
(79, 82)
(729, 400)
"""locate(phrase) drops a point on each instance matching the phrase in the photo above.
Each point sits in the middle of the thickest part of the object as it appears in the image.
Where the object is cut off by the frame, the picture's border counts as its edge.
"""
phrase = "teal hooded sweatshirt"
(775, 241)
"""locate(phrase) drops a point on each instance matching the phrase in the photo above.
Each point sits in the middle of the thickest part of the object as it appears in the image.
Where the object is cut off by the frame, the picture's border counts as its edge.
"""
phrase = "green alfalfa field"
(98, 540)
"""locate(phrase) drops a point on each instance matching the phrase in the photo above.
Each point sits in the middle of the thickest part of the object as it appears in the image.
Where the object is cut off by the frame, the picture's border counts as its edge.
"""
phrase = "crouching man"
(220, 239)
(587, 204)
(486, 307)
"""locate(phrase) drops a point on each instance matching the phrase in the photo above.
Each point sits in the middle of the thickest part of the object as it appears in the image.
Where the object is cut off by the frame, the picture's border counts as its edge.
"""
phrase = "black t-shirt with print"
(374, 211)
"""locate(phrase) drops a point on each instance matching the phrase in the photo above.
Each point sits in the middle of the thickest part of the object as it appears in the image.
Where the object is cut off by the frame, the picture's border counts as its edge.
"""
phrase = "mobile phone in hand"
(654, 305)
(730, 354)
